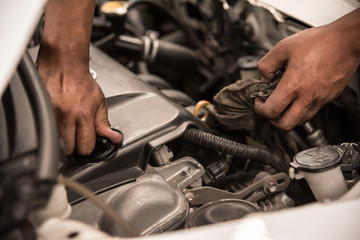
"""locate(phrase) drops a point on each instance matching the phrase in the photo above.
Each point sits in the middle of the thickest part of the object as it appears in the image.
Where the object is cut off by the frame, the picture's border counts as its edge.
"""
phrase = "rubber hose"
(185, 29)
(235, 149)
(49, 151)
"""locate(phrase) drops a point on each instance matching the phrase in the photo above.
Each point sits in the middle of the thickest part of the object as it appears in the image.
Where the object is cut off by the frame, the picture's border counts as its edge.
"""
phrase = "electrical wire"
(235, 149)
(82, 190)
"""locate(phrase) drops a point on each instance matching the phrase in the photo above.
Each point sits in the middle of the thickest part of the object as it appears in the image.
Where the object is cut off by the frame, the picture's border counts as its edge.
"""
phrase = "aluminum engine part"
(154, 203)
(277, 202)
(150, 206)
(220, 211)
(182, 173)
(268, 185)
(161, 155)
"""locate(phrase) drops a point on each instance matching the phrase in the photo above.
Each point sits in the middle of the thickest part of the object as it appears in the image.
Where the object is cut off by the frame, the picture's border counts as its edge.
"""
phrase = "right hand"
(78, 101)
(63, 63)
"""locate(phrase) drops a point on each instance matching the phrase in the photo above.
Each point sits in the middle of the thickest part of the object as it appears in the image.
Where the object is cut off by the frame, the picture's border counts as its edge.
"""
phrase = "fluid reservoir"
(320, 167)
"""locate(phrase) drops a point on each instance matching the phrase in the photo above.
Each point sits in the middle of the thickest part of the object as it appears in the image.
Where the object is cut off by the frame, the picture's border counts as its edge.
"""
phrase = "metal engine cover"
(154, 203)
(149, 206)
(146, 117)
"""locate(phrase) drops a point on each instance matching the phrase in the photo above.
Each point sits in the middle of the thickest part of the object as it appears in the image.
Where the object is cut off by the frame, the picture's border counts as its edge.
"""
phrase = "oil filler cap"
(104, 149)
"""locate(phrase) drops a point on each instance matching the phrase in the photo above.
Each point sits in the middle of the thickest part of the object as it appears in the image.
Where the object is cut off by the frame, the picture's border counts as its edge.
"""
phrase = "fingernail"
(119, 133)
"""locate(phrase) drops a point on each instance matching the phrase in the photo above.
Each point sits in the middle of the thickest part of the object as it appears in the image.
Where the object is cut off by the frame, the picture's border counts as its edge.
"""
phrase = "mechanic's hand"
(79, 105)
(318, 63)
(63, 63)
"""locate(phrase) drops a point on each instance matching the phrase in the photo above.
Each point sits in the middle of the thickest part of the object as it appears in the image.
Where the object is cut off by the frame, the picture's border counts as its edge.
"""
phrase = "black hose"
(183, 27)
(49, 152)
(235, 149)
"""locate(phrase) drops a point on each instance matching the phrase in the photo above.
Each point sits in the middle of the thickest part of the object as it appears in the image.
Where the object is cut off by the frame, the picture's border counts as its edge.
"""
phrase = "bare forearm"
(63, 64)
(348, 30)
(68, 29)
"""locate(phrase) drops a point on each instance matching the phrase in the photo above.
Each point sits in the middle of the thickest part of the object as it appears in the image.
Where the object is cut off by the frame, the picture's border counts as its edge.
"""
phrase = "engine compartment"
(184, 184)
(151, 118)
(176, 169)
(174, 183)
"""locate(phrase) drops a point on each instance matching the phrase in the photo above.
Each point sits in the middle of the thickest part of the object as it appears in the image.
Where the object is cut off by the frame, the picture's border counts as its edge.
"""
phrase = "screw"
(187, 172)
(189, 196)
(271, 186)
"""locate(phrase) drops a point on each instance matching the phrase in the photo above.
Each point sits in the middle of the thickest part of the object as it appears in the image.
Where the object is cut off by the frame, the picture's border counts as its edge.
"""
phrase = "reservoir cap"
(319, 158)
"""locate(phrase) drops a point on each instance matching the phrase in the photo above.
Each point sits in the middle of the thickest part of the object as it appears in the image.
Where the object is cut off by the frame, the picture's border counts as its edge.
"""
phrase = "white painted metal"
(18, 20)
(313, 13)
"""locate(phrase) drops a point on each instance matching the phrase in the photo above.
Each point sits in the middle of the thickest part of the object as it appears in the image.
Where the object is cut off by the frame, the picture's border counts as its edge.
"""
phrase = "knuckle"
(282, 45)
(309, 101)
(261, 66)
(64, 113)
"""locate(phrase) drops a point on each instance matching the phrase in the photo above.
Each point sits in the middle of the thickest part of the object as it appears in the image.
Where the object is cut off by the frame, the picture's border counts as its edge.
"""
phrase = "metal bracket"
(181, 173)
(253, 193)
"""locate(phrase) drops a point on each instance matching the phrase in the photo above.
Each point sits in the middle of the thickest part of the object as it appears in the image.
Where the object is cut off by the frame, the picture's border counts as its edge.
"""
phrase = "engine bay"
(160, 64)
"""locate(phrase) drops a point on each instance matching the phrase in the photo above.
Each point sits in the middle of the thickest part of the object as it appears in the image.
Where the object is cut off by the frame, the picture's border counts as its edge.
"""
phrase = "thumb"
(273, 61)
(103, 127)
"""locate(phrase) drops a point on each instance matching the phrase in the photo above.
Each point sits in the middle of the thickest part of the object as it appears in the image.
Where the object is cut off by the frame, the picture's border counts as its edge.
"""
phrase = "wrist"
(348, 27)
(63, 54)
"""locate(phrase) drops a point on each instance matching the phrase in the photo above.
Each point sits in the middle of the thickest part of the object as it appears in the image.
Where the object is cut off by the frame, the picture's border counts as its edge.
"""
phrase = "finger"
(274, 60)
(292, 116)
(301, 111)
(311, 113)
(103, 127)
(259, 107)
(67, 133)
(85, 136)
(277, 102)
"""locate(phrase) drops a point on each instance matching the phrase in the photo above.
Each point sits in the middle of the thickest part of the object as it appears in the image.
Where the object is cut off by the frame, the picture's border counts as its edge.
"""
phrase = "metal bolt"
(187, 172)
(272, 187)
(189, 196)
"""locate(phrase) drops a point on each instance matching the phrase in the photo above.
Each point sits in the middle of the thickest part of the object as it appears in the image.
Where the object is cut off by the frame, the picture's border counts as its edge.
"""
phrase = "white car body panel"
(18, 20)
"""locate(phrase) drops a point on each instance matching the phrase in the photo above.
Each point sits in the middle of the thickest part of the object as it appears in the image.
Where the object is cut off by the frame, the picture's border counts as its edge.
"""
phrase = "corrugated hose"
(233, 148)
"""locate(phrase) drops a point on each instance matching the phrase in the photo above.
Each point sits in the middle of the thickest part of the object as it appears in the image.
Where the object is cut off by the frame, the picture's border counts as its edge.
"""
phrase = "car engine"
(159, 64)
